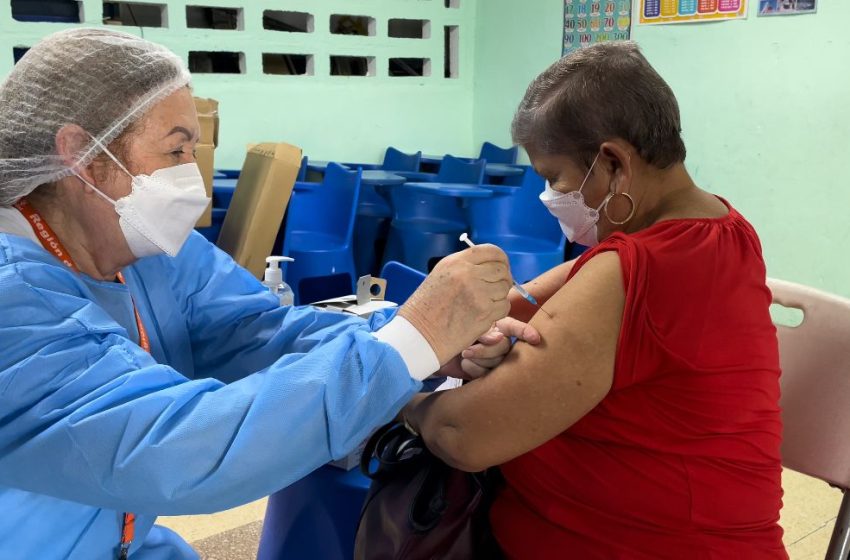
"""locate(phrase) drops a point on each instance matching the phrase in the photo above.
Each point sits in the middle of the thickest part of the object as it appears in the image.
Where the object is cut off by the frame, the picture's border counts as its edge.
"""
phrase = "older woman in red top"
(646, 424)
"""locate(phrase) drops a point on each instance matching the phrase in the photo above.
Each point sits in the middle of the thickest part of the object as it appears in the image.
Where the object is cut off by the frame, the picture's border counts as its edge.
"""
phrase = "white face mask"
(578, 220)
(161, 210)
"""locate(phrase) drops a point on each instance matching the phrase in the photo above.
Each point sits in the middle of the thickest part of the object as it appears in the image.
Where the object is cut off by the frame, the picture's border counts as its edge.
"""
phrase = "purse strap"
(369, 449)
(393, 446)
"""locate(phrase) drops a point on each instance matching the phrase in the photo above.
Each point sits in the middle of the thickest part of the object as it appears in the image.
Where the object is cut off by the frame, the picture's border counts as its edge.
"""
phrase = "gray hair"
(595, 94)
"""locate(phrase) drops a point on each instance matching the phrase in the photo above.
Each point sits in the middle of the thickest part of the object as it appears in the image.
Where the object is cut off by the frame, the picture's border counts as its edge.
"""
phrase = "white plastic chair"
(815, 360)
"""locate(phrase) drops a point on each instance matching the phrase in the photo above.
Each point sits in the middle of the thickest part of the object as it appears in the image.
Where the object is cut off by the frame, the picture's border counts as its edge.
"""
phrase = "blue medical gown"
(239, 398)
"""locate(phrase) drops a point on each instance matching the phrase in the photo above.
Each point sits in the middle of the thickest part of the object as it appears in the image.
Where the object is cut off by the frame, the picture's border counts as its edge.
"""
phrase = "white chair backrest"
(815, 360)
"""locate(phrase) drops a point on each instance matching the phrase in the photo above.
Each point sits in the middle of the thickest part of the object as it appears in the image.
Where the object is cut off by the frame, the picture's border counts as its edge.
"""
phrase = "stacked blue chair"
(300, 178)
(574, 251)
(426, 227)
(302, 171)
(517, 221)
(229, 173)
(494, 154)
(223, 191)
(374, 213)
(316, 517)
(319, 231)
(402, 281)
(224, 186)
(396, 160)
(212, 231)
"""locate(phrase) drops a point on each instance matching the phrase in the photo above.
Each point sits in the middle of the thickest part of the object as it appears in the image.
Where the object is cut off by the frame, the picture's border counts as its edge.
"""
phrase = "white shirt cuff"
(418, 356)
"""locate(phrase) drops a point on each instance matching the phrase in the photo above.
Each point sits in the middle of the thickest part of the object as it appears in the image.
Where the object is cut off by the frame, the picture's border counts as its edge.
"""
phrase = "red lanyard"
(52, 244)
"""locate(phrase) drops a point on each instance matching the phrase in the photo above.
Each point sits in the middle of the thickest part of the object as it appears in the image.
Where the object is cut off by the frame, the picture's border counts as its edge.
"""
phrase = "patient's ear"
(618, 160)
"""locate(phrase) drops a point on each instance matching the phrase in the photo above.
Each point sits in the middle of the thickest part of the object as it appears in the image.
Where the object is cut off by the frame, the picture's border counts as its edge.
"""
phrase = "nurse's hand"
(460, 300)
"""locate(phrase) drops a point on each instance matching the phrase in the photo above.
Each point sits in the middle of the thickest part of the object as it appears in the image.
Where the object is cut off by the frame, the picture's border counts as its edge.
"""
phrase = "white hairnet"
(99, 79)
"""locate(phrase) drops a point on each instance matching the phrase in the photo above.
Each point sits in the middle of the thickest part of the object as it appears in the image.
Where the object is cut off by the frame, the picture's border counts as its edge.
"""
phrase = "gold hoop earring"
(631, 213)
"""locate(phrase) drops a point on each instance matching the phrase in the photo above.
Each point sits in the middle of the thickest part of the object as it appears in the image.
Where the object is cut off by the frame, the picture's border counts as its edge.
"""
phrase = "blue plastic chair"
(319, 231)
(426, 227)
(302, 171)
(396, 160)
(574, 251)
(374, 213)
(494, 154)
(223, 191)
(317, 516)
(402, 281)
(212, 231)
(517, 221)
(314, 518)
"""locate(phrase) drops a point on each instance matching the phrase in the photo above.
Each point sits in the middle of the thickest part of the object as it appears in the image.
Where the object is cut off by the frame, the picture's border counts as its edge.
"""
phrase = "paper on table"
(449, 383)
(348, 304)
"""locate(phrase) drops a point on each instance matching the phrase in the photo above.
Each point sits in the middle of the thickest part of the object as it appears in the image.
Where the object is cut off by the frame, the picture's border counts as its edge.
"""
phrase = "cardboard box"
(208, 118)
(205, 150)
(259, 203)
(205, 156)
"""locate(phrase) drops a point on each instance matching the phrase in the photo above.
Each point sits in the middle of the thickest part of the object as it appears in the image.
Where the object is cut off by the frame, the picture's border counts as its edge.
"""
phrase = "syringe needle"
(464, 237)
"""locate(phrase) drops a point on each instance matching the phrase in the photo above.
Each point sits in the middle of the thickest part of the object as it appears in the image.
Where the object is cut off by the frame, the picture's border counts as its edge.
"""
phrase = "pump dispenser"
(273, 280)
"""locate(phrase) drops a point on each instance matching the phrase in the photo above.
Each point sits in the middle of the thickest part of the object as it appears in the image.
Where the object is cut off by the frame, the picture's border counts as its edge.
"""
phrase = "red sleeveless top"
(681, 458)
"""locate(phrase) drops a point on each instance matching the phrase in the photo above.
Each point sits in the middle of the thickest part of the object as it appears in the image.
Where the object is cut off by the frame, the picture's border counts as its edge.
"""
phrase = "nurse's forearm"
(148, 440)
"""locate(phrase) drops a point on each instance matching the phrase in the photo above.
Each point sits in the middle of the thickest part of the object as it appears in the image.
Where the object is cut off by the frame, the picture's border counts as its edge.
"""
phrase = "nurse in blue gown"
(142, 371)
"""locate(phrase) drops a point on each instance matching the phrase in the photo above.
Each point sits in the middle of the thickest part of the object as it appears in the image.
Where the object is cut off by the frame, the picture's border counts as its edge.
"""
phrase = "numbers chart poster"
(691, 11)
(786, 7)
(594, 21)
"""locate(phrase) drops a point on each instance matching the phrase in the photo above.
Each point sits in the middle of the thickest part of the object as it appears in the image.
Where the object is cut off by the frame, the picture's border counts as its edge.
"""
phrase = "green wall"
(515, 41)
(764, 101)
(331, 117)
(765, 108)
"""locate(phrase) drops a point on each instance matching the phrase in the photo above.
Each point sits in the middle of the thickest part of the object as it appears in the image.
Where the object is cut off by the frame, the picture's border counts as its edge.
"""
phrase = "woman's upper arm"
(539, 391)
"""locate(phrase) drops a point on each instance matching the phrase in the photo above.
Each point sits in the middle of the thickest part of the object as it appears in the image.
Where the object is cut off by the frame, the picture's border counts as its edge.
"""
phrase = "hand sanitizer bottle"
(273, 280)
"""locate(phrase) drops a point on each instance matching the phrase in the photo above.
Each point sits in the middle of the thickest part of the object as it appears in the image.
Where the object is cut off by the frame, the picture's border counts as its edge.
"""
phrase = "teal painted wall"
(515, 41)
(344, 118)
(765, 108)
(764, 101)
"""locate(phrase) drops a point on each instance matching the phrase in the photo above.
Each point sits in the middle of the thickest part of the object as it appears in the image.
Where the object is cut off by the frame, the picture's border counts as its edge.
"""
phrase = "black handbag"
(418, 507)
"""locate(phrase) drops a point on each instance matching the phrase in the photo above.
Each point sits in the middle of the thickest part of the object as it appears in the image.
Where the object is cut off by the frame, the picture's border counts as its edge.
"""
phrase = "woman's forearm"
(430, 416)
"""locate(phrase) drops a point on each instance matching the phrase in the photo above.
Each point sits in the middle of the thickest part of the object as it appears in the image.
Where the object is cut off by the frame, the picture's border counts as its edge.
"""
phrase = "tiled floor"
(808, 517)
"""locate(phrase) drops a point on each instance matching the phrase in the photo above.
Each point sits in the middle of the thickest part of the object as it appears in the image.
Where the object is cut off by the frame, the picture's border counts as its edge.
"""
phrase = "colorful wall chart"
(690, 11)
(786, 7)
(594, 21)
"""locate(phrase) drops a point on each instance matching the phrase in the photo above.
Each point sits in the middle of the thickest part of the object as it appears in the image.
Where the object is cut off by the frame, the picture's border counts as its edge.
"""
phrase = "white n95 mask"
(161, 210)
(578, 220)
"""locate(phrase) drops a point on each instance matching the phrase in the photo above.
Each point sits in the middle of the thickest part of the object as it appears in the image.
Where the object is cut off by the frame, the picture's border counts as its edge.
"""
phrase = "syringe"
(464, 237)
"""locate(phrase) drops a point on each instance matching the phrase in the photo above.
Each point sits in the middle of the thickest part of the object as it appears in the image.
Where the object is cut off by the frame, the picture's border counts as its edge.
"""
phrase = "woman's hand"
(492, 347)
